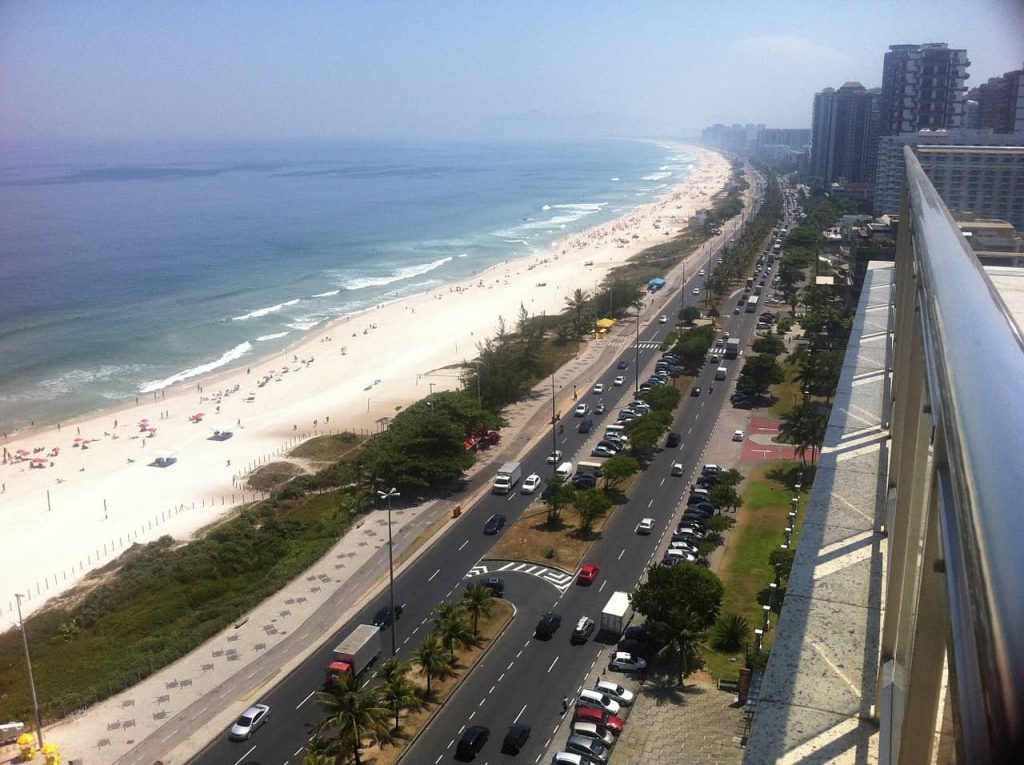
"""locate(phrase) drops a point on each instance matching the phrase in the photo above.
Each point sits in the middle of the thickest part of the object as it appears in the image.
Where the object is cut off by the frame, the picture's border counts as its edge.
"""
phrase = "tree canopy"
(679, 588)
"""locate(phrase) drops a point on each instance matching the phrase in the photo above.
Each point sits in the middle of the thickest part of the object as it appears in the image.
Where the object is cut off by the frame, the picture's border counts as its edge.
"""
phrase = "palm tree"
(682, 633)
(356, 712)
(478, 601)
(398, 692)
(578, 303)
(450, 624)
(318, 758)
(432, 659)
(731, 632)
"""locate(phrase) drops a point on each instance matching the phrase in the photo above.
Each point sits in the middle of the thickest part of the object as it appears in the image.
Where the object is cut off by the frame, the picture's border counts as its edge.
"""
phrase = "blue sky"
(86, 69)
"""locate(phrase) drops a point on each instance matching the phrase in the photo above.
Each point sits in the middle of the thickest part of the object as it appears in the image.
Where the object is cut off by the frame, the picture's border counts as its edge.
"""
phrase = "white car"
(663, 319)
(696, 290)
(620, 380)
(701, 272)
(599, 388)
(646, 526)
(677, 469)
(531, 484)
(596, 700)
(251, 719)
(626, 662)
(555, 456)
(738, 435)
(615, 691)
(580, 410)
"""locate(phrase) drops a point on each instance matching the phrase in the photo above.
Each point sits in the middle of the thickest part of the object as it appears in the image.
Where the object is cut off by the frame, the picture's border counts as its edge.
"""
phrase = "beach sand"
(61, 521)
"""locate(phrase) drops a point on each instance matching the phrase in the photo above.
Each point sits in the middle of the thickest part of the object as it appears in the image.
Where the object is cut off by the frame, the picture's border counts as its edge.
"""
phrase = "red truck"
(356, 652)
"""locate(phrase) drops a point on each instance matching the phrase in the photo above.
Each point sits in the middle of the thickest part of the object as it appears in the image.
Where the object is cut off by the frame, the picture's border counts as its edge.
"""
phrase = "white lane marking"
(298, 751)
(463, 544)
(599, 589)
(519, 715)
(501, 677)
(660, 484)
(246, 754)
(622, 553)
(553, 664)
(510, 665)
(438, 759)
(651, 502)
(306, 699)
(433, 575)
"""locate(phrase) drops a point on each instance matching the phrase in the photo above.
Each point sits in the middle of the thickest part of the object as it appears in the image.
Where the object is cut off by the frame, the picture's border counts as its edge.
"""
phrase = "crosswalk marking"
(648, 345)
(560, 580)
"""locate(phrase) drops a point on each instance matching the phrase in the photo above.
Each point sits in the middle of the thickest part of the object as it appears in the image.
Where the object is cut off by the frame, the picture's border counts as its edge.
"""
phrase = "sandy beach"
(93, 488)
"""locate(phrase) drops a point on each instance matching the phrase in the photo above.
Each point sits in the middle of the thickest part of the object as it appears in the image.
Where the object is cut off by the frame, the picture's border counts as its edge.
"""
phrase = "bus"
(751, 303)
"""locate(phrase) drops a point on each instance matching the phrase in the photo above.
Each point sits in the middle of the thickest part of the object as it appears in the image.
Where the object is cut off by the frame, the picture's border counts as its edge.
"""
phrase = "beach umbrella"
(151, 429)
(39, 459)
(23, 451)
(79, 440)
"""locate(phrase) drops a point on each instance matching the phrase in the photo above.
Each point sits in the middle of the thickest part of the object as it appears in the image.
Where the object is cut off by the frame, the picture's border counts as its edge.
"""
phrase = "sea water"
(127, 270)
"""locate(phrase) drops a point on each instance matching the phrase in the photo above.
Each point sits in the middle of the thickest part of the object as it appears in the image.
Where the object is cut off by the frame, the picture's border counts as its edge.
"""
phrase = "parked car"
(626, 662)
(530, 484)
(738, 435)
(583, 630)
(494, 524)
(598, 701)
(640, 633)
(493, 583)
(673, 440)
(548, 625)
(594, 731)
(516, 738)
(592, 749)
(646, 526)
(636, 648)
(615, 691)
(602, 451)
(603, 720)
(584, 481)
(588, 574)
(249, 722)
(472, 741)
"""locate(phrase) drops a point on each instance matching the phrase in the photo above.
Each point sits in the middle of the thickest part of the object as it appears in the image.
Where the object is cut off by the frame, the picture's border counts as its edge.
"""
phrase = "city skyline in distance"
(119, 71)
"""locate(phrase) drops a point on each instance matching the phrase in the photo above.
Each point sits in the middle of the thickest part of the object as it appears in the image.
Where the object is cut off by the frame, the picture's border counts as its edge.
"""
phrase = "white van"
(615, 430)
(565, 471)
(721, 373)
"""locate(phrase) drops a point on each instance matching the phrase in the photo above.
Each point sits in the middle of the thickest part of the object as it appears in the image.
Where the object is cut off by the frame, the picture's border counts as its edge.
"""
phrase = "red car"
(601, 719)
(588, 574)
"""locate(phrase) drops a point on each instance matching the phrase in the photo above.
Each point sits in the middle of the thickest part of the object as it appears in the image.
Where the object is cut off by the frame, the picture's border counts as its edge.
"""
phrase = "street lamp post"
(31, 680)
(554, 435)
(393, 492)
(636, 358)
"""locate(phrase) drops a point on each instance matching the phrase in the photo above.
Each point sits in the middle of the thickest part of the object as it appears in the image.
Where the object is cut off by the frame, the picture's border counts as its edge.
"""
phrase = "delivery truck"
(732, 347)
(613, 617)
(356, 652)
(507, 477)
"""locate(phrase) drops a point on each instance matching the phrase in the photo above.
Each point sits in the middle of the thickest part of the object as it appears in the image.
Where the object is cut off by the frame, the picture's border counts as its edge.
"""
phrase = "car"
(583, 630)
(677, 469)
(673, 440)
(384, 618)
(472, 741)
(600, 409)
(713, 358)
(598, 701)
(640, 633)
(585, 426)
(663, 319)
(555, 456)
(548, 625)
(591, 749)
(646, 386)
(701, 272)
(584, 481)
(494, 524)
(690, 535)
(580, 410)
(530, 484)
(493, 583)
(735, 311)
(686, 545)
(636, 648)
(743, 403)
(696, 290)
(673, 556)
(602, 720)
(588, 574)
(569, 758)
(626, 662)
(249, 721)
(646, 526)
(602, 451)
(615, 691)
(622, 364)
(594, 731)
(738, 435)
(599, 388)
(620, 380)
(516, 738)
(695, 391)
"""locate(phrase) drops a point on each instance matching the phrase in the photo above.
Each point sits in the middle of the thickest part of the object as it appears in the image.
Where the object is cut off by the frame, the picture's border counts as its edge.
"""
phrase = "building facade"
(821, 131)
(922, 88)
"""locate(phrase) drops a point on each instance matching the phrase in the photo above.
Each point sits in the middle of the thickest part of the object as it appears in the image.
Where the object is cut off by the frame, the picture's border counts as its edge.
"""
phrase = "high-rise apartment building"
(821, 132)
(997, 104)
(922, 88)
(844, 135)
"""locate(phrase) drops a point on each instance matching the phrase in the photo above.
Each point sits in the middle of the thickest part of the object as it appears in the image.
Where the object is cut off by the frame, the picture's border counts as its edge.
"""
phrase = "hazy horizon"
(103, 70)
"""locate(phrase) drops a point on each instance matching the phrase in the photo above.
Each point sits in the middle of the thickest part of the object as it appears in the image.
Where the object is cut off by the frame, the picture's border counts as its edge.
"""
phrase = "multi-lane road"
(520, 677)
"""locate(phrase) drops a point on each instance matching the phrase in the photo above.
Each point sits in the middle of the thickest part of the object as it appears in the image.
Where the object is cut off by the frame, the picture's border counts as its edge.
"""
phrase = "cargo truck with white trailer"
(507, 477)
(356, 652)
(732, 348)
(613, 617)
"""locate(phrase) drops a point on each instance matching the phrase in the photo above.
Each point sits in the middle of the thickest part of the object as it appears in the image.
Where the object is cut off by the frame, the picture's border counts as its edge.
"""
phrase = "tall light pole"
(393, 492)
(636, 359)
(31, 680)
(554, 436)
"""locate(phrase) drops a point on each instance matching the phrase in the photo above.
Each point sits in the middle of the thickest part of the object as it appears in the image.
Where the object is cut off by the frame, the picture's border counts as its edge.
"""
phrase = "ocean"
(123, 271)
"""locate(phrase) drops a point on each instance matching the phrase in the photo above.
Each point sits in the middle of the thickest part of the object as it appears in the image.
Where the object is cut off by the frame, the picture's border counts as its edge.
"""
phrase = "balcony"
(902, 636)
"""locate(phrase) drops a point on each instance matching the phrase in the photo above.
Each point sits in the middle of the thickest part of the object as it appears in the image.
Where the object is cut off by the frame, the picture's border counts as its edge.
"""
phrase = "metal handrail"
(975, 367)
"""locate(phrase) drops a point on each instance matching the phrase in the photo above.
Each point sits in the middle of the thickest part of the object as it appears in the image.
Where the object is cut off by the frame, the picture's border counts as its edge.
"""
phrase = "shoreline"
(93, 502)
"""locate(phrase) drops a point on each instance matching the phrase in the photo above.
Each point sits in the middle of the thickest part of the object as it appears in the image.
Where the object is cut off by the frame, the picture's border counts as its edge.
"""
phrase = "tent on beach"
(604, 323)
